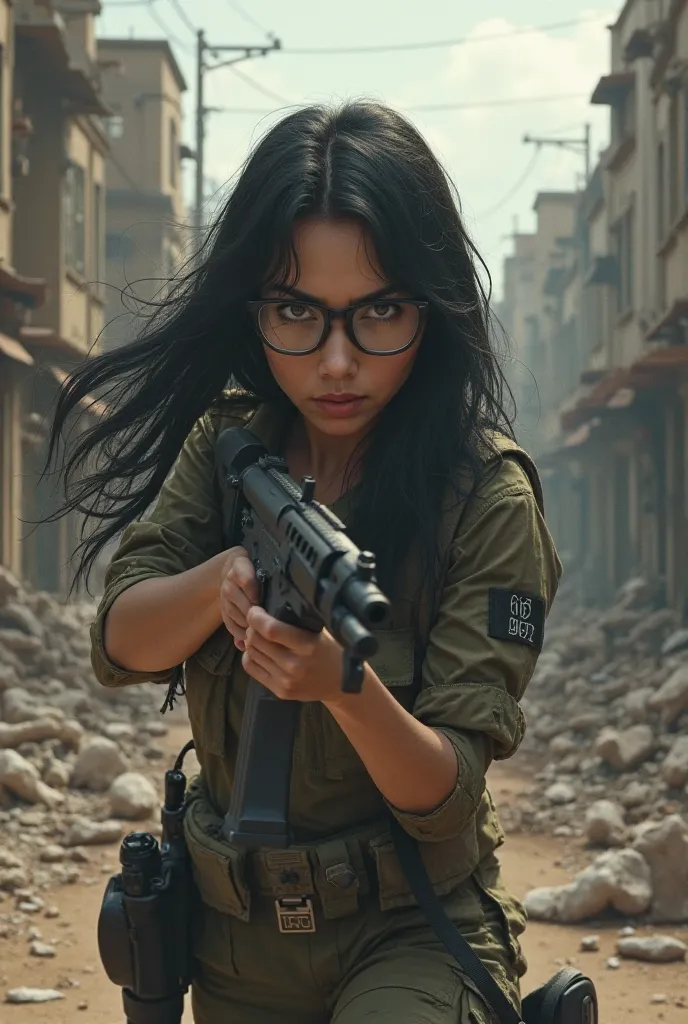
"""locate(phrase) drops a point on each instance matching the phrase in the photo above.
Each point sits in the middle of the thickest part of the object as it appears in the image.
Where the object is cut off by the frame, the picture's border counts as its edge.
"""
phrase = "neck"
(328, 456)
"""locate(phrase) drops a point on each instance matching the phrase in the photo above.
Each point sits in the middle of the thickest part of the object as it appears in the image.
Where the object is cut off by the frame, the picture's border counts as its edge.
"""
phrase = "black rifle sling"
(446, 931)
(407, 848)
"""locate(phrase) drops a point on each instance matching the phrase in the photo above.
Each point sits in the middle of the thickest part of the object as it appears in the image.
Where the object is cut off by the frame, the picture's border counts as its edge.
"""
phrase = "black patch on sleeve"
(517, 617)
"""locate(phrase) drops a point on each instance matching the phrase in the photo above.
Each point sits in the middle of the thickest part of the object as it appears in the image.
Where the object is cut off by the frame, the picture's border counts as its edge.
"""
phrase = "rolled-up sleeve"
(183, 530)
(476, 665)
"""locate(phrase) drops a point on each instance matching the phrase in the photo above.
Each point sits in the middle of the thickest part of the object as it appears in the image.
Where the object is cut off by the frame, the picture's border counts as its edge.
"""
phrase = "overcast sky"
(496, 174)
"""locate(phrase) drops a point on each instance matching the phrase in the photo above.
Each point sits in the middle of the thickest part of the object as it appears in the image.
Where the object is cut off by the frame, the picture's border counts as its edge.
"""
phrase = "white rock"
(119, 731)
(32, 995)
(590, 944)
(53, 854)
(619, 879)
(21, 777)
(13, 878)
(656, 949)
(132, 797)
(636, 702)
(672, 697)
(560, 793)
(635, 794)
(41, 949)
(99, 763)
(9, 859)
(83, 832)
(604, 824)
(57, 774)
(675, 765)
(625, 749)
(665, 848)
(613, 963)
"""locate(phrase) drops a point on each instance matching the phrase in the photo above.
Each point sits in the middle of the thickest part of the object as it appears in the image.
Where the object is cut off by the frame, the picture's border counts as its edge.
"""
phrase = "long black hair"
(361, 161)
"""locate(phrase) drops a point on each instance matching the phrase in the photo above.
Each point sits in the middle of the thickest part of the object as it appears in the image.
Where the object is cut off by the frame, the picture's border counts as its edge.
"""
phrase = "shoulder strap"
(503, 448)
(509, 449)
(446, 931)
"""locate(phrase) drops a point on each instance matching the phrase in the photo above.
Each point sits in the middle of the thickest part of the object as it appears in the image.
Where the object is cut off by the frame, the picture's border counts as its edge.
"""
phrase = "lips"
(339, 405)
(338, 397)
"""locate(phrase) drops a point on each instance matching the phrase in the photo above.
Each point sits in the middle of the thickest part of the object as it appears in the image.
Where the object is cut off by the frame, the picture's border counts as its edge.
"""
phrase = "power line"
(183, 16)
(165, 28)
(508, 196)
(260, 88)
(438, 43)
(248, 18)
(486, 105)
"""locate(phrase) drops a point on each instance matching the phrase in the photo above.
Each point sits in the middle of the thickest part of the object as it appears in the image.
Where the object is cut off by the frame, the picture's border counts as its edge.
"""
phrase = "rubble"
(625, 750)
(132, 797)
(604, 824)
(665, 848)
(64, 742)
(98, 764)
(83, 832)
(22, 778)
(607, 736)
(655, 949)
(618, 879)
(33, 995)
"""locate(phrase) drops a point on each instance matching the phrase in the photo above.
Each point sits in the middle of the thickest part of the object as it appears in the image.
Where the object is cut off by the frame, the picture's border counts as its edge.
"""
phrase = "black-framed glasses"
(381, 327)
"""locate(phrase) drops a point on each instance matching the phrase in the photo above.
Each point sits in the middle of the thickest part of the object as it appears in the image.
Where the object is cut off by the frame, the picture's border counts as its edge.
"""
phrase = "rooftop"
(161, 46)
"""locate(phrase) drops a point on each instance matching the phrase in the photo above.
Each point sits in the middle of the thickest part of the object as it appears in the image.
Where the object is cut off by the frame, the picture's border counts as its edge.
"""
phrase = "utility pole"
(202, 49)
(574, 145)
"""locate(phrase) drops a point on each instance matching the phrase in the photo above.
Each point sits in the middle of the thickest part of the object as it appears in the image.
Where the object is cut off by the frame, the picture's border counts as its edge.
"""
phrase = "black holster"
(144, 927)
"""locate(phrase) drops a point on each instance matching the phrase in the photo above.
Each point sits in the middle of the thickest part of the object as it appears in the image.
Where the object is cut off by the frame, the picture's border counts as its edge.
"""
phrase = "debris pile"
(607, 713)
(78, 763)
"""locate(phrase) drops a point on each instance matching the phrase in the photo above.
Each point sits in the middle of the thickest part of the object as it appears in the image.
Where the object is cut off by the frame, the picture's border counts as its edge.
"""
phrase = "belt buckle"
(295, 915)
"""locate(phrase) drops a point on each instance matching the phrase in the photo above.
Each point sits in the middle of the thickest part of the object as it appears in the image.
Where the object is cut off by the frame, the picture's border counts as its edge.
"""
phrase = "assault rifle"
(311, 575)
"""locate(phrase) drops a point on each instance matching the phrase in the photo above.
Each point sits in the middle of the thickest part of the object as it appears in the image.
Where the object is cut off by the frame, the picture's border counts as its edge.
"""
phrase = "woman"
(394, 406)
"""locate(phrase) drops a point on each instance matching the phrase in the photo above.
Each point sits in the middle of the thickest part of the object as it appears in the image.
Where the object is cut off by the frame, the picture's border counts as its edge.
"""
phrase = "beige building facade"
(146, 217)
(53, 236)
(617, 462)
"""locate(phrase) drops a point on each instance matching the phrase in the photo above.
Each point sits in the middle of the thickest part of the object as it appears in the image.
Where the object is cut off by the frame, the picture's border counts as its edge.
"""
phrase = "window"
(624, 239)
(114, 126)
(174, 153)
(73, 224)
(98, 241)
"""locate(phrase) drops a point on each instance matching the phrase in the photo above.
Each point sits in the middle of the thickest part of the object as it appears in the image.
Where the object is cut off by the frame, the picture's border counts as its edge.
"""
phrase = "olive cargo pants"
(370, 965)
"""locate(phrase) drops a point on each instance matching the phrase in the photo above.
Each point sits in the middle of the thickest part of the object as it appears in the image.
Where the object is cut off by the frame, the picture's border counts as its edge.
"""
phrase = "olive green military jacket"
(502, 573)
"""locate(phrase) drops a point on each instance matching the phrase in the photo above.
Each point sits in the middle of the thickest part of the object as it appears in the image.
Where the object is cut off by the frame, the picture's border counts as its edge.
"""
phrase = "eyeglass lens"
(299, 327)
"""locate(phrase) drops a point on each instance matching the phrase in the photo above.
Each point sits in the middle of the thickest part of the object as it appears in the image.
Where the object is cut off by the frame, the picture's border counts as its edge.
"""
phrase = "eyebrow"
(298, 294)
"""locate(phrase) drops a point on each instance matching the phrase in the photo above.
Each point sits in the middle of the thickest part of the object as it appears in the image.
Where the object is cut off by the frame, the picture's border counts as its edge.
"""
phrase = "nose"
(338, 356)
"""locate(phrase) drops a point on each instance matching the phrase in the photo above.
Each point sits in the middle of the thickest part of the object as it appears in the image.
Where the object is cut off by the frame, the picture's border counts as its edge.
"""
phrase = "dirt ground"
(528, 861)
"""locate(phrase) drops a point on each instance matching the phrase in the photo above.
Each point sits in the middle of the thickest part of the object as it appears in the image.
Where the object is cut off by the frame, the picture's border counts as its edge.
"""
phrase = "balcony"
(42, 34)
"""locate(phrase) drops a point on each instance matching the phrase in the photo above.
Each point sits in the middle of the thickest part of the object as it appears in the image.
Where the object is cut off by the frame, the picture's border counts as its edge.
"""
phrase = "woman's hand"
(293, 663)
(238, 593)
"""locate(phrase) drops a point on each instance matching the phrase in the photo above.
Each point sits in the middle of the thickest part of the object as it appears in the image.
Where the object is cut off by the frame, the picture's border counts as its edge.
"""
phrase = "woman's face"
(339, 389)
